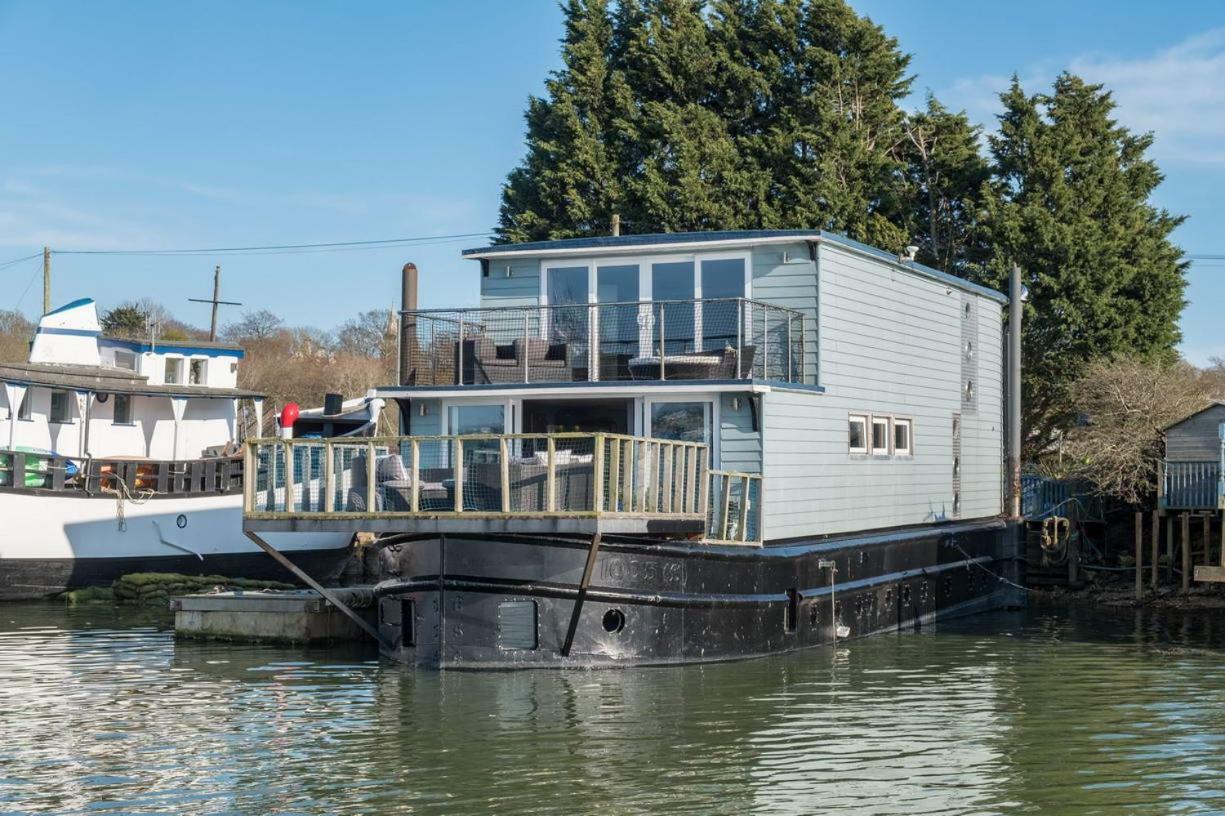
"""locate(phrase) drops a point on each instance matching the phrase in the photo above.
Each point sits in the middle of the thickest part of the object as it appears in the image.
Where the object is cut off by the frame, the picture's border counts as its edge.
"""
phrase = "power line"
(15, 261)
(336, 246)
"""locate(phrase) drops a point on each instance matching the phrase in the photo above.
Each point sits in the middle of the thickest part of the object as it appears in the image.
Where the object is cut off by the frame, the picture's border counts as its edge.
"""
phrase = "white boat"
(117, 456)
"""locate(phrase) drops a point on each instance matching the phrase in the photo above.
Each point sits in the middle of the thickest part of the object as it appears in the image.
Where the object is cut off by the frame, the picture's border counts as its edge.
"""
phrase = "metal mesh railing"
(734, 515)
(716, 339)
(505, 474)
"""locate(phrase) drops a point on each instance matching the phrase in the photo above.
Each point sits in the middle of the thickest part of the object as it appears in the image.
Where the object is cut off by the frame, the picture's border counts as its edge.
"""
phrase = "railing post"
(291, 477)
(744, 508)
(414, 489)
(593, 342)
(803, 350)
(504, 459)
(329, 478)
(662, 342)
(642, 466)
(371, 493)
(627, 473)
(789, 349)
(270, 502)
(765, 343)
(458, 474)
(739, 336)
(459, 353)
(614, 477)
(597, 476)
(249, 476)
(667, 485)
(526, 338)
(726, 516)
(550, 477)
(704, 481)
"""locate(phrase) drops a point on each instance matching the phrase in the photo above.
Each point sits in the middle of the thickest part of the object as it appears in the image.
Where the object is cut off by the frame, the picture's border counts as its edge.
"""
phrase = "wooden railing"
(1191, 486)
(27, 470)
(735, 509)
(507, 476)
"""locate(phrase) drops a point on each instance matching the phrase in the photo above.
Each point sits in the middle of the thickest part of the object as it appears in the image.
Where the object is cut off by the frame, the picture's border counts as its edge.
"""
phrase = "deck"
(538, 484)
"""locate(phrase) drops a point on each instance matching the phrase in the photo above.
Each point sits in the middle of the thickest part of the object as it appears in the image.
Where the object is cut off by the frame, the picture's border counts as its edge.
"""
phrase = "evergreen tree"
(1070, 203)
(568, 185)
(945, 174)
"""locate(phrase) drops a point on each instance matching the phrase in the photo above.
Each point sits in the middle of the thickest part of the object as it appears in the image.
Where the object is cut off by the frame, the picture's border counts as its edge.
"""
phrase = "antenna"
(216, 301)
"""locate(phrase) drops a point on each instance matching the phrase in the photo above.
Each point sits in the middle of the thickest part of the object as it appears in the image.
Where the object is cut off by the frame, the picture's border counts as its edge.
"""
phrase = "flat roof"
(720, 238)
(104, 380)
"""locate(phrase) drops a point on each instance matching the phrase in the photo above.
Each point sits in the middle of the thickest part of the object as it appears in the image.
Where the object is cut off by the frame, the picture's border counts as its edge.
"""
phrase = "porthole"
(613, 621)
(181, 521)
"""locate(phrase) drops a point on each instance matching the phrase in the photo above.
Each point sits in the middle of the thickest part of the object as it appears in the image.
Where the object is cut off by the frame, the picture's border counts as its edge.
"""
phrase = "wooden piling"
(1139, 555)
(1155, 548)
(1169, 548)
(1207, 525)
(1186, 552)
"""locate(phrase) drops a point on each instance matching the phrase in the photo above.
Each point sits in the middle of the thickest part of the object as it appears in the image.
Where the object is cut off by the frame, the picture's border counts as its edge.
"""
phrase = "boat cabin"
(825, 387)
(1194, 465)
(84, 395)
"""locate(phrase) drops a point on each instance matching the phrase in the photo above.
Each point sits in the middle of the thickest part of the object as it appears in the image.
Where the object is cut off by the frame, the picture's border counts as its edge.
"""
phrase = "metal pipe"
(1015, 306)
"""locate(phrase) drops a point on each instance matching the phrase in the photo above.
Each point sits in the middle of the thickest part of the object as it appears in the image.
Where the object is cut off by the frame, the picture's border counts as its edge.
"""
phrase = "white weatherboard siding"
(890, 344)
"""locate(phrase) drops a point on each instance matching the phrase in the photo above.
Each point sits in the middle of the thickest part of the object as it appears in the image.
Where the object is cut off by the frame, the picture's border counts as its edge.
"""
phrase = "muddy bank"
(1119, 589)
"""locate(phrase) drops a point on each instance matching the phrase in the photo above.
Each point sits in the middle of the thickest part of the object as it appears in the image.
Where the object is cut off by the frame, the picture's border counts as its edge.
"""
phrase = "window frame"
(908, 423)
(202, 364)
(127, 401)
(51, 413)
(713, 416)
(862, 419)
(177, 362)
(888, 448)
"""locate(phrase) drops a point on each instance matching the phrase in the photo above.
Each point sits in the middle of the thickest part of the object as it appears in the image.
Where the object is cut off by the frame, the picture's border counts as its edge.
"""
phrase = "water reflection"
(1048, 710)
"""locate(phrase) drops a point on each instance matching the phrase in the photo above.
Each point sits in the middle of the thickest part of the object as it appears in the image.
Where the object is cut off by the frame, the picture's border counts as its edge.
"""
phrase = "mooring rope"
(124, 494)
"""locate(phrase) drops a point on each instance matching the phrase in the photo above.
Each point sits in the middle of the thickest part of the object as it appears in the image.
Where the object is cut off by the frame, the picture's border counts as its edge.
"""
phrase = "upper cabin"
(867, 390)
(84, 394)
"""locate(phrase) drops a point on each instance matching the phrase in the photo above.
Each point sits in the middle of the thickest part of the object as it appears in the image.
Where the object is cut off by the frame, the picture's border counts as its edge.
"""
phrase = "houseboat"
(121, 456)
(656, 449)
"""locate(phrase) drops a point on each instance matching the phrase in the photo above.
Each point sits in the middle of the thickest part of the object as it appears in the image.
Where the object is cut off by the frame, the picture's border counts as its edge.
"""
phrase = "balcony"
(715, 339)
(1191, 486)
(565, 483)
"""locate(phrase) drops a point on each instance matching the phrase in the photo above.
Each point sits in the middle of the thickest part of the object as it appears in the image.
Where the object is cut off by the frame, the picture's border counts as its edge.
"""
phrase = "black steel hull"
(478, 603)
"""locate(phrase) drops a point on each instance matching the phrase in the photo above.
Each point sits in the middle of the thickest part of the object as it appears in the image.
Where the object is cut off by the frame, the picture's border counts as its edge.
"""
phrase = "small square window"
(174, 370)
(196, 374)
(61, 409)
(901, 437)
(125, 360)
(857, 428)
(880, 436)
(123, 409)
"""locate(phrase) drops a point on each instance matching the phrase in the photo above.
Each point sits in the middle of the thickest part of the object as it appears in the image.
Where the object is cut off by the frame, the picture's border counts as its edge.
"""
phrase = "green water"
(1046, 711)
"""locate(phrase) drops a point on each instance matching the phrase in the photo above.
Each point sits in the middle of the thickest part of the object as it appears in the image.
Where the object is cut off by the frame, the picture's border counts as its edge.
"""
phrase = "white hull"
(49, 543)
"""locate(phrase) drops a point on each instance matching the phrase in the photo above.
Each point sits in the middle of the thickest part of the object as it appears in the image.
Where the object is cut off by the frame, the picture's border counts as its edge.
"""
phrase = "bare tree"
(1124, 406)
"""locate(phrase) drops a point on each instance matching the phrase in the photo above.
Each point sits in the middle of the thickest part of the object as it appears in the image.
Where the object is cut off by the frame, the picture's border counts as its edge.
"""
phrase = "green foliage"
(126, 320)
(1069, 201)
(747, 114)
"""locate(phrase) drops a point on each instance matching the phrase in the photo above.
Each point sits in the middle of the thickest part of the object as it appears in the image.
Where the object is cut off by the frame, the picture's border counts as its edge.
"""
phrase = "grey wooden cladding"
(1196, 438)
(890, 343)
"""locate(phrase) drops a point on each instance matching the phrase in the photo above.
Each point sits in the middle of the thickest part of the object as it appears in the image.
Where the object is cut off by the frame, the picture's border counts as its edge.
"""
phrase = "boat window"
(858, 436)
(123, 409)
(901, 437)
(60, 407)
(681, 421)
(174, 370)
(26, 409)
(125, 360)
(880, 436)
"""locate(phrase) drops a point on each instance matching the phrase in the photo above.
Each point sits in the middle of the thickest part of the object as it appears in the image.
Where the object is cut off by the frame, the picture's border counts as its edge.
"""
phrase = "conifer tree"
(1069, 202)
(568, 183)
(945, 174)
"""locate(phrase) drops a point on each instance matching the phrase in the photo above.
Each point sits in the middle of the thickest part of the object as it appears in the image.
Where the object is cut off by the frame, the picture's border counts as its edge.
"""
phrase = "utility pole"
(216, 301)
(1015, 308)
(46, 279)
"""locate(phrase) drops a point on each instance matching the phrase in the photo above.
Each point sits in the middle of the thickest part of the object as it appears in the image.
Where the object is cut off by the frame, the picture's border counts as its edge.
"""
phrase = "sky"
(149, 125)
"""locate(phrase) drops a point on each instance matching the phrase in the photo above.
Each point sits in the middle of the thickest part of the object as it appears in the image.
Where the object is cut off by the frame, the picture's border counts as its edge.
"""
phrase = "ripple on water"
(1047, 711)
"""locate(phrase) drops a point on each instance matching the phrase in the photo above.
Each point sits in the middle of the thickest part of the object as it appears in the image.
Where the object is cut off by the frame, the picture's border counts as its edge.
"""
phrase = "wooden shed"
(1194, 463)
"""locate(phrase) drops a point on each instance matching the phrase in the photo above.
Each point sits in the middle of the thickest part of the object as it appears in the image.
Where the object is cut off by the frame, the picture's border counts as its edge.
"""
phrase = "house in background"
(1193, 472)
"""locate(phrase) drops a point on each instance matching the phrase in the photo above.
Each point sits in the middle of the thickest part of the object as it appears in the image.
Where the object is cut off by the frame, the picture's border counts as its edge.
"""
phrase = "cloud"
(1177, 93)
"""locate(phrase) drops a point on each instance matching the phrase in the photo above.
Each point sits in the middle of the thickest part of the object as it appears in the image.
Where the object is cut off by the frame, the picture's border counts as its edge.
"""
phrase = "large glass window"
(682, 421)
(618, 323)
(722, 278)
(673, 281)
(477, 419)
(566, 290)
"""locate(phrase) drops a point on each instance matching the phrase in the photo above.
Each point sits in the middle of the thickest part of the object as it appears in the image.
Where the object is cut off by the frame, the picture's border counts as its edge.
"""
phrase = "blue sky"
(151, 125)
